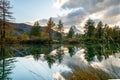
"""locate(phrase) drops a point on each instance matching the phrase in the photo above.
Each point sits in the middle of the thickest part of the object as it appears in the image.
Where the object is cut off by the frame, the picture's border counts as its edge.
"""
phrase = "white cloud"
(118, 23)
(78, 11)
(59, 3)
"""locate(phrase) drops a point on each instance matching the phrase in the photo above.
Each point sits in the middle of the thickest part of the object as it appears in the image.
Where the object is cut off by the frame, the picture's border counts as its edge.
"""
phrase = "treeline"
(93, 32)
(54, 33)
(49, 33)
(101, 32)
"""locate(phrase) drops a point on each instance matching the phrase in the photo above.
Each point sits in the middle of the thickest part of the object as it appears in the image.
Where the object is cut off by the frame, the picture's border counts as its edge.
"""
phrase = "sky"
(31, 10)
(71, 12)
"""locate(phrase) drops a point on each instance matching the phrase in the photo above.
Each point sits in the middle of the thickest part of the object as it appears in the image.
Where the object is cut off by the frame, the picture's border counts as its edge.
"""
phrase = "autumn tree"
(24, 36)
(49, 27)
(5, 17)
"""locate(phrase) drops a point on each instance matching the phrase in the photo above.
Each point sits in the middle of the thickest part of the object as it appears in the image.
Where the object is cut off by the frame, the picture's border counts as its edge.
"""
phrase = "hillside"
(22, 27)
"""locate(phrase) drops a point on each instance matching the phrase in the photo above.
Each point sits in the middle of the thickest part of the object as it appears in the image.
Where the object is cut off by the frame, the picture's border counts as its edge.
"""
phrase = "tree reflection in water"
(46, 50)
(92, 52)
(52, 54)
(101, 51)
(6, 63)
(71, 50)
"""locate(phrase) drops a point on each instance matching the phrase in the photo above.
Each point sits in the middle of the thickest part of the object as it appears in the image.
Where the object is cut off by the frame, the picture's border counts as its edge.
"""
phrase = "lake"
(60, 62)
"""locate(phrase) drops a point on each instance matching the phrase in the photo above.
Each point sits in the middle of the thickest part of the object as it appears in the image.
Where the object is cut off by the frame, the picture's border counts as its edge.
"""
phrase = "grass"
(88, 74)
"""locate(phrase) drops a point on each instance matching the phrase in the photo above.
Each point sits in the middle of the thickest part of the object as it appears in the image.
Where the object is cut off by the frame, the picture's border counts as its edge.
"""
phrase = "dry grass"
(88, 74)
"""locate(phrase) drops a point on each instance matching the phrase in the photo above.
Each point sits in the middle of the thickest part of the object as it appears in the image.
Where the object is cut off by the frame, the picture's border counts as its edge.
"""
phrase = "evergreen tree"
(36, 30)
(111, 33)
(99, 30)
(70, 33)
(89, 28)
(115, 32)
(60, 30)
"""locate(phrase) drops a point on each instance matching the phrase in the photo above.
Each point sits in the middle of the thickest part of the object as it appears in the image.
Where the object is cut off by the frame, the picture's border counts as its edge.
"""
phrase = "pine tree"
(60, 30)
(99, 30)
(70, 33)
(89, 28)
(36, 30)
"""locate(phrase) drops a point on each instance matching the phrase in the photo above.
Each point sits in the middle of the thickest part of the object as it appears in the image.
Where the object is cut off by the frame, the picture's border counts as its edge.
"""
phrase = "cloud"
(113, 11)
(76, 12)
(90, 5)
(106, 10)
(43, 22)
(75, 17)
(59, 3)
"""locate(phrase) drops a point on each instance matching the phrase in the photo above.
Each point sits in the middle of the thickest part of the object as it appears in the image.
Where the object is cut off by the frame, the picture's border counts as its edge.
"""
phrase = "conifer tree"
(89, 28)
(36, 30)
(5, 17)
(60, 30)
(70, 33)
(99, 30)
(50, 25)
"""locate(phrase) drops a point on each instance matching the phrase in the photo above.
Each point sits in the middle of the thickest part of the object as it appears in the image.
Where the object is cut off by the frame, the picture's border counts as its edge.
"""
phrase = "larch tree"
(49, 27)
(24, 36)
(5, 17)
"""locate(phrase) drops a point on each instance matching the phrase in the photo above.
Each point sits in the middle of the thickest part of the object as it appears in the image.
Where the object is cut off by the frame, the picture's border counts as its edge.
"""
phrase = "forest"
(94, 32)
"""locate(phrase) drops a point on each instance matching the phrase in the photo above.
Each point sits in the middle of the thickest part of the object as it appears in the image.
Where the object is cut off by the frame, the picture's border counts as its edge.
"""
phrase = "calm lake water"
(58, 62)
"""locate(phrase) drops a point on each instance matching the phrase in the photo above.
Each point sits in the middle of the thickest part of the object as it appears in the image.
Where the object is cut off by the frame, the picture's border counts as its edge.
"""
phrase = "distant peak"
(77, 31)
(29, 23)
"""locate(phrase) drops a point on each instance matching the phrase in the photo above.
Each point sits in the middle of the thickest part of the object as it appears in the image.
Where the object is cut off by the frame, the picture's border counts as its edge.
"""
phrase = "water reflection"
(47, 51)
(100, 51)
(6, 63)
(71, 50)
(53, 55)
(60, 54)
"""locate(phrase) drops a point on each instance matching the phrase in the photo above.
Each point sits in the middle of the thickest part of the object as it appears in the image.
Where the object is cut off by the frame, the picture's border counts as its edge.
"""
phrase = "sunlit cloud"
(78, 11)
(59, 3)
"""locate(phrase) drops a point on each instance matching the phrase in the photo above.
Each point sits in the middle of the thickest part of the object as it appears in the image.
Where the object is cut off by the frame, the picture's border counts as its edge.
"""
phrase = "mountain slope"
(76, 31)
(22, 27)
